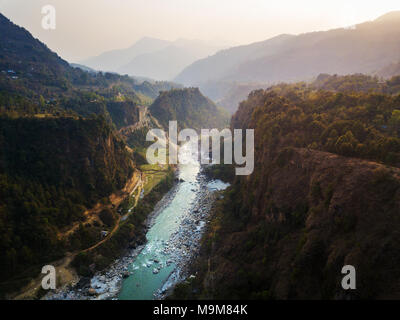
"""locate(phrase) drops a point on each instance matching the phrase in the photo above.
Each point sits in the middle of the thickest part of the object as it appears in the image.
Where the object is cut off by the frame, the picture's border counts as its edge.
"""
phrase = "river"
(174, 235)
(173, 239)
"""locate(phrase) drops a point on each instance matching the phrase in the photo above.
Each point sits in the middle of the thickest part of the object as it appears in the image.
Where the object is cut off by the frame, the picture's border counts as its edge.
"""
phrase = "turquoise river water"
(157, 263)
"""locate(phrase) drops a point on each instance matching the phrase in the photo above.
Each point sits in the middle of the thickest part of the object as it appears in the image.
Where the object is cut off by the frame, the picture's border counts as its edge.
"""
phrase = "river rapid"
(173, 239)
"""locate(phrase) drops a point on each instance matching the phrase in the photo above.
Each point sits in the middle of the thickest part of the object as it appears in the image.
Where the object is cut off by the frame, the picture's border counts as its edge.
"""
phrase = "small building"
(104, 234)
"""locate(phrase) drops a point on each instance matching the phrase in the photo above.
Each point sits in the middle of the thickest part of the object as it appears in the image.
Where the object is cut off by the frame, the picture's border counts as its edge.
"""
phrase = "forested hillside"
(60, 151)
(358, 83)
(51, 171)
(325, 192)
(237, 93)
(190, 108)
(35, 80)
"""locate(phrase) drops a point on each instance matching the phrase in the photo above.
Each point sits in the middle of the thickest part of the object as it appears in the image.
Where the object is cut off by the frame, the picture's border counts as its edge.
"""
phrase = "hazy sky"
(89, 27)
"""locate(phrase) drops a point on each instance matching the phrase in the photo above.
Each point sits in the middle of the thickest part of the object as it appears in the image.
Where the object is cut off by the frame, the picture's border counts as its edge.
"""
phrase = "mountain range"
(152, 58)
(364, 48)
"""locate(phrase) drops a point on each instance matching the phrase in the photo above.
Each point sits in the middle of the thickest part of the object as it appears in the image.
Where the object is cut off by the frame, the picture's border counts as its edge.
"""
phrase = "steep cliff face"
(54, 150)
(286, 231)
(51, 170)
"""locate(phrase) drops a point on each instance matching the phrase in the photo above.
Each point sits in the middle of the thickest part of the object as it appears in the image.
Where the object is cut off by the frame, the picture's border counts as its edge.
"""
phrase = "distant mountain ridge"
(152, 58)
(389, 71)
(364, 48)
(112, 60)
(215, 67)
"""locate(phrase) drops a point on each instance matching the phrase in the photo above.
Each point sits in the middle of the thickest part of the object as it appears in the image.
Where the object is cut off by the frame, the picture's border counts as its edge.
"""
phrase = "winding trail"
(139, 186)
(64, 272)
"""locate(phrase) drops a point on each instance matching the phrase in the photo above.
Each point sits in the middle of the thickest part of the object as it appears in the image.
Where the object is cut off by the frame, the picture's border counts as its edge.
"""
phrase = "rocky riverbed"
(176, 252)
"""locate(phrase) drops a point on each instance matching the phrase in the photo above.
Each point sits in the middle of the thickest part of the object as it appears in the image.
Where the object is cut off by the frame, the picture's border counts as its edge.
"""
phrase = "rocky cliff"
(310, 207)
